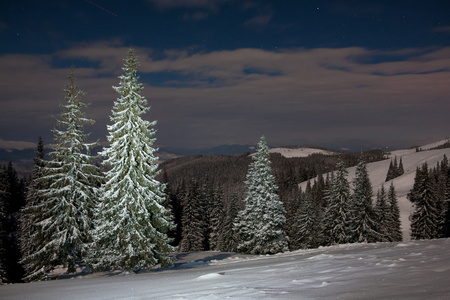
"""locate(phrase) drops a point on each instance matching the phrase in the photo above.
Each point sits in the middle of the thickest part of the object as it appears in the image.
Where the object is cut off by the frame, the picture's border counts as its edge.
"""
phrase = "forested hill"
(228, 172)
(411, 159)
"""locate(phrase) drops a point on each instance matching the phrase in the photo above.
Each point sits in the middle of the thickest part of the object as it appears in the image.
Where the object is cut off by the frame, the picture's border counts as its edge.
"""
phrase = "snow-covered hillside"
(411, 270)
(403, 184)
(299, 152)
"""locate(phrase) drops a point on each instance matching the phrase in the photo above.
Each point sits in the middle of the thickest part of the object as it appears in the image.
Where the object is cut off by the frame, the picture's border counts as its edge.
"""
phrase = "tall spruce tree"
(227, 238)
(30, 237)
(64, 216)
(337, 214)
(445, 169)
(132, 224)
(13, 198)
(395, 230)
(307, 227)
(3, 240)
(260, 226)
(216, 218)
(383, 214)
(364, 220)
(425, 218)
(192, 222)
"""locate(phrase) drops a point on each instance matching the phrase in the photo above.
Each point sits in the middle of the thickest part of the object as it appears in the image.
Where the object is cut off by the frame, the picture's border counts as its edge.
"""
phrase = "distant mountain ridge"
(23, 159)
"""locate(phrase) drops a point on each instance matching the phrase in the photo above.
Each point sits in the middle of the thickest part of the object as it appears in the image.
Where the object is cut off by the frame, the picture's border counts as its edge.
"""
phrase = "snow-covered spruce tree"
(64, 217)
(425, 218)
(395, 230)
(227, 238)
(132, 225)
(337, 214)
(391, 171)
(383, 214)
(364, 218)
(445, 170)
(30, 213)
(307, 233)
(260, 226)
(3, 277)
(216, 218)
(192, 221)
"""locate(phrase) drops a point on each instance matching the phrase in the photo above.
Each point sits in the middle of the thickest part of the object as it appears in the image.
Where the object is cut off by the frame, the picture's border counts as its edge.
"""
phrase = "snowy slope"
(403, 184)
(411, 270)
(299, 152)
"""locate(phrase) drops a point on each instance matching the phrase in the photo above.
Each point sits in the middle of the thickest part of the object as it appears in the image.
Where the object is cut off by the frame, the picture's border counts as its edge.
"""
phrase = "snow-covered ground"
(299, 152)
(403, 184)
(408, 270)
(411, 270)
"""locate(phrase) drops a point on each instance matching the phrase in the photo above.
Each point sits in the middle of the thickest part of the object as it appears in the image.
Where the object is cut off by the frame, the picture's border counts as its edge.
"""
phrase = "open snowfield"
(408, 270)
(299, 152)
(411, 270)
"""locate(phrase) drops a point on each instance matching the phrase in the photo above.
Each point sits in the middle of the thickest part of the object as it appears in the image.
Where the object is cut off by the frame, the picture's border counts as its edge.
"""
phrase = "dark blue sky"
(331, 73)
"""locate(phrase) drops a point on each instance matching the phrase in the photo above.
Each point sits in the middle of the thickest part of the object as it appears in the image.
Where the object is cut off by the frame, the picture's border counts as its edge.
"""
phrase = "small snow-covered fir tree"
(132, 224)
(337, 213)
(395, 230)
(364, 218)
(64, 216)
(260, 226)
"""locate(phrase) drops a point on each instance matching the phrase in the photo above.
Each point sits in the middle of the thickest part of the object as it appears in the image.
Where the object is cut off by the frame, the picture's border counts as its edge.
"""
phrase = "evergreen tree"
(64, 217)
(445, 169)
(419, 180)
(307, 226)
(30, 213)
(337, 214)
(227, 238)
(3, 238)
(391, 172)
(425, 218)
(364, 221)
(194, 227)
(395, 231)
(132, 224)
(216, 218)
(400, 170)
(260, 226)
(383, 214)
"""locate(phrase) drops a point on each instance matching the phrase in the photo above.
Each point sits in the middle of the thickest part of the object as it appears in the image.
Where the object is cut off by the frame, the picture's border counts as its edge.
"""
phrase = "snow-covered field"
(411, 270)
(299, 152)
(408, 270)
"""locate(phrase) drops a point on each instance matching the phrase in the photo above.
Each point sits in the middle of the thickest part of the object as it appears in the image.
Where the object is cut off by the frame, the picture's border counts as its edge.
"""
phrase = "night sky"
(327, 73)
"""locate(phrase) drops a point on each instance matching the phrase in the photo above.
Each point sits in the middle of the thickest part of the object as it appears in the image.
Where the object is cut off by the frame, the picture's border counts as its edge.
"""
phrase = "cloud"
(260, 20)
(195, 16)
(16, 145)
(443, 29)
(293, 96)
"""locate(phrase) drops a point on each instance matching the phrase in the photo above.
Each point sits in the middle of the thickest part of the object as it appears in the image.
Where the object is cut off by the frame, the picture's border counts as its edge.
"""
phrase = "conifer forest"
(122, 209)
